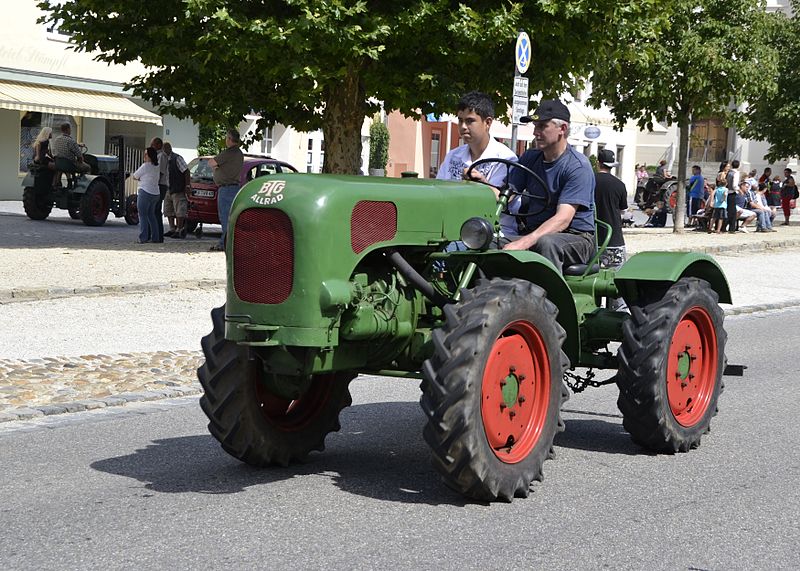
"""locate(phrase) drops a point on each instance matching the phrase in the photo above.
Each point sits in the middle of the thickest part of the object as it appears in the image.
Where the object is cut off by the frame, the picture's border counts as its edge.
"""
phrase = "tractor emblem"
(271, 192)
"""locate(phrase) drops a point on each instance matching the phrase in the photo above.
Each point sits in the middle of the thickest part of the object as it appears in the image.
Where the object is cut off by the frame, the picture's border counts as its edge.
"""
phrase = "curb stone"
(37, 294)
(25, 413)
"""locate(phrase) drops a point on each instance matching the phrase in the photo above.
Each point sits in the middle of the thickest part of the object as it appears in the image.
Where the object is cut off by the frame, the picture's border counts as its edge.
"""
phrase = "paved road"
(146, 487)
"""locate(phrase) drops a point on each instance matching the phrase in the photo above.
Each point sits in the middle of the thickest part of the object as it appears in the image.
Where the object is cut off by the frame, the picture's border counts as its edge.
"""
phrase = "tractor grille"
(372, 222)
(263, 256)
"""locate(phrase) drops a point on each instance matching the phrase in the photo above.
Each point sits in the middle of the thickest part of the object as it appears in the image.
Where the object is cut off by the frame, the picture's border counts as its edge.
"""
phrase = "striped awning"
(76, 102)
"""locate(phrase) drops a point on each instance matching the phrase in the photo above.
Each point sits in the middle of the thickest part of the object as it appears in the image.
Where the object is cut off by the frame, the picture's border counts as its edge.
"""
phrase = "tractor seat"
(579, 269)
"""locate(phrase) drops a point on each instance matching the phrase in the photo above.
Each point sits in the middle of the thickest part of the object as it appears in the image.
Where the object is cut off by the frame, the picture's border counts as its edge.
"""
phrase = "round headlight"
(477, 233)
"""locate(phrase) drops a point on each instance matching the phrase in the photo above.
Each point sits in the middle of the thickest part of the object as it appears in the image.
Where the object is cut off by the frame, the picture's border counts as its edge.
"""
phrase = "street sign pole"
(519, 107)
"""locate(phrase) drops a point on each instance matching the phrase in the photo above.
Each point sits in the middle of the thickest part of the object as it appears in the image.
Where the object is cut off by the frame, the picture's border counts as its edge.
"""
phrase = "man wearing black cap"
(611, 200)
(556, 222)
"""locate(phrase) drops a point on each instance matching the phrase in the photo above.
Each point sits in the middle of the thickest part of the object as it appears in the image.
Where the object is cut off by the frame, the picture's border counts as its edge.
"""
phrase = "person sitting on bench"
(66, 152)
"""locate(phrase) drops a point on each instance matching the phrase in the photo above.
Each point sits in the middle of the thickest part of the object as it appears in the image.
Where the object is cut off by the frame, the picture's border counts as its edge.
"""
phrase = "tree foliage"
(378, 145)
(329, 63)
(774, 114)
(211, 139)
(704, 62)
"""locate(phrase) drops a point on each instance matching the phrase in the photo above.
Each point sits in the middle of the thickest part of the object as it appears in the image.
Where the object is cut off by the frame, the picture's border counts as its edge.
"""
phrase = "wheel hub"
(514, 392)
(692, 366)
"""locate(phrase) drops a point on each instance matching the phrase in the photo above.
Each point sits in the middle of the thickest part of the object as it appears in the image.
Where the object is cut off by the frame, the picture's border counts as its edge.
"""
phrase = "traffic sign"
(522, 53)
(519, 107)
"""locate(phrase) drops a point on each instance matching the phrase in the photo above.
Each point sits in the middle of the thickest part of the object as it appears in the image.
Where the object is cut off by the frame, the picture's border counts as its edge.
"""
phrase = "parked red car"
(203, 196)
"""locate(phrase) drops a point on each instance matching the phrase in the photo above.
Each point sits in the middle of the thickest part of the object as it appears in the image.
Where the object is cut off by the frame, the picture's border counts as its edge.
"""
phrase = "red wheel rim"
(515, 392)
(673, 200)
(692, 366)
(293, 415)
(99, 206)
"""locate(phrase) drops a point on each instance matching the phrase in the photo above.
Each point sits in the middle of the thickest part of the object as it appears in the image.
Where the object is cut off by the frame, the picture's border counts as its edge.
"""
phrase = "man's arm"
(559, 222)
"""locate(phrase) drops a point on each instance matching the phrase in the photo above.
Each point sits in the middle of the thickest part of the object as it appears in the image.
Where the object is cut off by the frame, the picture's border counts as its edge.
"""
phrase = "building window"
(31, 122)
(310, 156)
(266, 141)
(436, 143)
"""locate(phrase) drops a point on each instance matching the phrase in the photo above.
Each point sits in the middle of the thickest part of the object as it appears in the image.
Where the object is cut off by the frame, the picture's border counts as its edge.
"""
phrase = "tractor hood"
(295, 239)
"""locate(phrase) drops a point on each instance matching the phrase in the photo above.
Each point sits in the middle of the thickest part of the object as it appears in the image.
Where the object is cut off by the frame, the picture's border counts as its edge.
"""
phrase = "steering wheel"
(507, 190)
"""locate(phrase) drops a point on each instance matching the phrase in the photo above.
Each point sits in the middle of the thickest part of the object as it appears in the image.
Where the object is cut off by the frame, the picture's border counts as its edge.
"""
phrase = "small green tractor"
(89, 197)
(331, 276)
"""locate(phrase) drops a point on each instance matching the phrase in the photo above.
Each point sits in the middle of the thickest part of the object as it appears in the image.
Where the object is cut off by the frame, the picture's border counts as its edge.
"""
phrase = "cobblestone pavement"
(54, 385)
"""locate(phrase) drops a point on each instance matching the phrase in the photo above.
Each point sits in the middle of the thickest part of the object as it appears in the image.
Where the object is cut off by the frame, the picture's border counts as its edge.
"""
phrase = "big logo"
(271, 192)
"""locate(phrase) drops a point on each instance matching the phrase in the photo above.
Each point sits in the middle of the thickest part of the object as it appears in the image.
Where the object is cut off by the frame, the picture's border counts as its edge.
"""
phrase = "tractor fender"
(532, 267)
(670, 267)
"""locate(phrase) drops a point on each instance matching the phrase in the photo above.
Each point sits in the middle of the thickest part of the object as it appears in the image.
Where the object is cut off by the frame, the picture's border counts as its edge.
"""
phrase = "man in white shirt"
(475, 117)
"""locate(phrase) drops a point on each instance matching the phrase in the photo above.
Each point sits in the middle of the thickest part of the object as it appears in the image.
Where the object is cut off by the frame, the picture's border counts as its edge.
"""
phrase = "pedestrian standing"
(696, 191)
(732, 184)
(163, 181)
(227, 167)
(789, 195)
(610, 202)
(147, 196)
(176, 203)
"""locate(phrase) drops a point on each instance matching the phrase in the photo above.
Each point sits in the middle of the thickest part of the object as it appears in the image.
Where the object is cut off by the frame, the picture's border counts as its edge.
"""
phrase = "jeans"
(763, 219)
(225, 196)
(731, 209)
(146, 203)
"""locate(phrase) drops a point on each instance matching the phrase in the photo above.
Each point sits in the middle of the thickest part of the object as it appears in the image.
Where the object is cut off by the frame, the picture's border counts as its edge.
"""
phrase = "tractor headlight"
(477, 233)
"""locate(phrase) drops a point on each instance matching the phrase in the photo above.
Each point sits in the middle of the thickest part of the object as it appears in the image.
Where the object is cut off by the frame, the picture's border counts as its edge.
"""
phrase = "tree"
(211, 139)
(704, 63)
(378, 145)
(774, 115)
(329, 63)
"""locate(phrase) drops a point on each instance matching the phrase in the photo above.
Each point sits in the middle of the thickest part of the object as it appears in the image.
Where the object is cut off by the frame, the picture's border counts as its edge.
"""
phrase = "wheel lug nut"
(502, 382)
(522, 377)
(502, 406)
(511, 414)
(512, 368)
(691, 375)
(684, 384)
(521, 399)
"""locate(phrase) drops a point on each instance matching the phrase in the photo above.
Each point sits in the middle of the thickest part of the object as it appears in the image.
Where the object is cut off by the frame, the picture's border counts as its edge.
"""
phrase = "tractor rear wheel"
(670, 367)
(95, 204)
(492, 391)
(254, 425)
(36, 203)
(131, 210)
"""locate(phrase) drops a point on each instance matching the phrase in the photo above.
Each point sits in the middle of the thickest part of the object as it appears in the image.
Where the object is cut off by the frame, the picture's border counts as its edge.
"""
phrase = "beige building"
(43, 83)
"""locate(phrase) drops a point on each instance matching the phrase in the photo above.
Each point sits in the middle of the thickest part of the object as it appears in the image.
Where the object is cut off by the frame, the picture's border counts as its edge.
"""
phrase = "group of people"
(734, 202)
(62, 154)
(164, 178)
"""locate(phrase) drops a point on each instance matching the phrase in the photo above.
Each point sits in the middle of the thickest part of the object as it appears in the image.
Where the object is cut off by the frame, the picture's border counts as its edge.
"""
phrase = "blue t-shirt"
(696, 186)
(571, 181)
(720, 197)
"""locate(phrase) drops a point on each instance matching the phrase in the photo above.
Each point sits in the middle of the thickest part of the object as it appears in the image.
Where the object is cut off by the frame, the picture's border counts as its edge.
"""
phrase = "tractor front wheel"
(37, 204)
(254, 425)
(131, 210)
(492, 391)
(95, 204)
(670, 367)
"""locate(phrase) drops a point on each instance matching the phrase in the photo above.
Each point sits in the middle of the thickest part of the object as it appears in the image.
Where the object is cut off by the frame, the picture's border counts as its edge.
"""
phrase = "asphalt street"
(146, 487)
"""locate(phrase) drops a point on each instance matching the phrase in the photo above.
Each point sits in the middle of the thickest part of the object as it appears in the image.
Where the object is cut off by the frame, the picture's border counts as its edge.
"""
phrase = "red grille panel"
(372, 222)
(263, 256)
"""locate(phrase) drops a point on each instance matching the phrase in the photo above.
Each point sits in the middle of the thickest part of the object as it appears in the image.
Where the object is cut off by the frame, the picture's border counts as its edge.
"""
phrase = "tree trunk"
(345, 109)
(679, 215)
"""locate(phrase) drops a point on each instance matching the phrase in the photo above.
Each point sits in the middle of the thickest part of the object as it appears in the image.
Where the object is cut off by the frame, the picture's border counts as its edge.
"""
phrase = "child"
(658, 215)
(720, 200)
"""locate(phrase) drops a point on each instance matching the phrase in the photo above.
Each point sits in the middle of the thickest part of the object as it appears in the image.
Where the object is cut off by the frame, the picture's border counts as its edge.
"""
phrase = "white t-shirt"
(147, 175)
(458, 159)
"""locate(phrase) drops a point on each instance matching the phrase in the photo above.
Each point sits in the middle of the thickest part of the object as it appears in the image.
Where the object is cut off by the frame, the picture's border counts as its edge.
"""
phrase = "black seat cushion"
(579, 269)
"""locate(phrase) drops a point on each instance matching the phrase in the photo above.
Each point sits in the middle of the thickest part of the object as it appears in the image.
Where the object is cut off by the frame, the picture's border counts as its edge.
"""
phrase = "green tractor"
(331, 276)
(88, 197)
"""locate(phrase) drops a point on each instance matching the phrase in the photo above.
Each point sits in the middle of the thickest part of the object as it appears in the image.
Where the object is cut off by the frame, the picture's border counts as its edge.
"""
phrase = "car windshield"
(200, 170)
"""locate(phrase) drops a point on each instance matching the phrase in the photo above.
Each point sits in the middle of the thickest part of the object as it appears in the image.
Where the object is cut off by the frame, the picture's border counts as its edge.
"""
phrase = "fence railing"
(133, 159)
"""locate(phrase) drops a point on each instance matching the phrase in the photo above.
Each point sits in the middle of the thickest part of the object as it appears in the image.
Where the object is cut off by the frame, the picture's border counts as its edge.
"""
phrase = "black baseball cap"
(606, 157)
(548, 109)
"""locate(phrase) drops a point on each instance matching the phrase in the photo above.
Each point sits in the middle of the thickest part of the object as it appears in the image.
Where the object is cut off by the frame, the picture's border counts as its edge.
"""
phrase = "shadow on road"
(379, 453)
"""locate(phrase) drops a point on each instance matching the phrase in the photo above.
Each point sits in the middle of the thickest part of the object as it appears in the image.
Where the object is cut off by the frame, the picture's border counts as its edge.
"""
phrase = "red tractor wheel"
(253, 424)
(493, 392)
(670, 367)
(95, 204)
